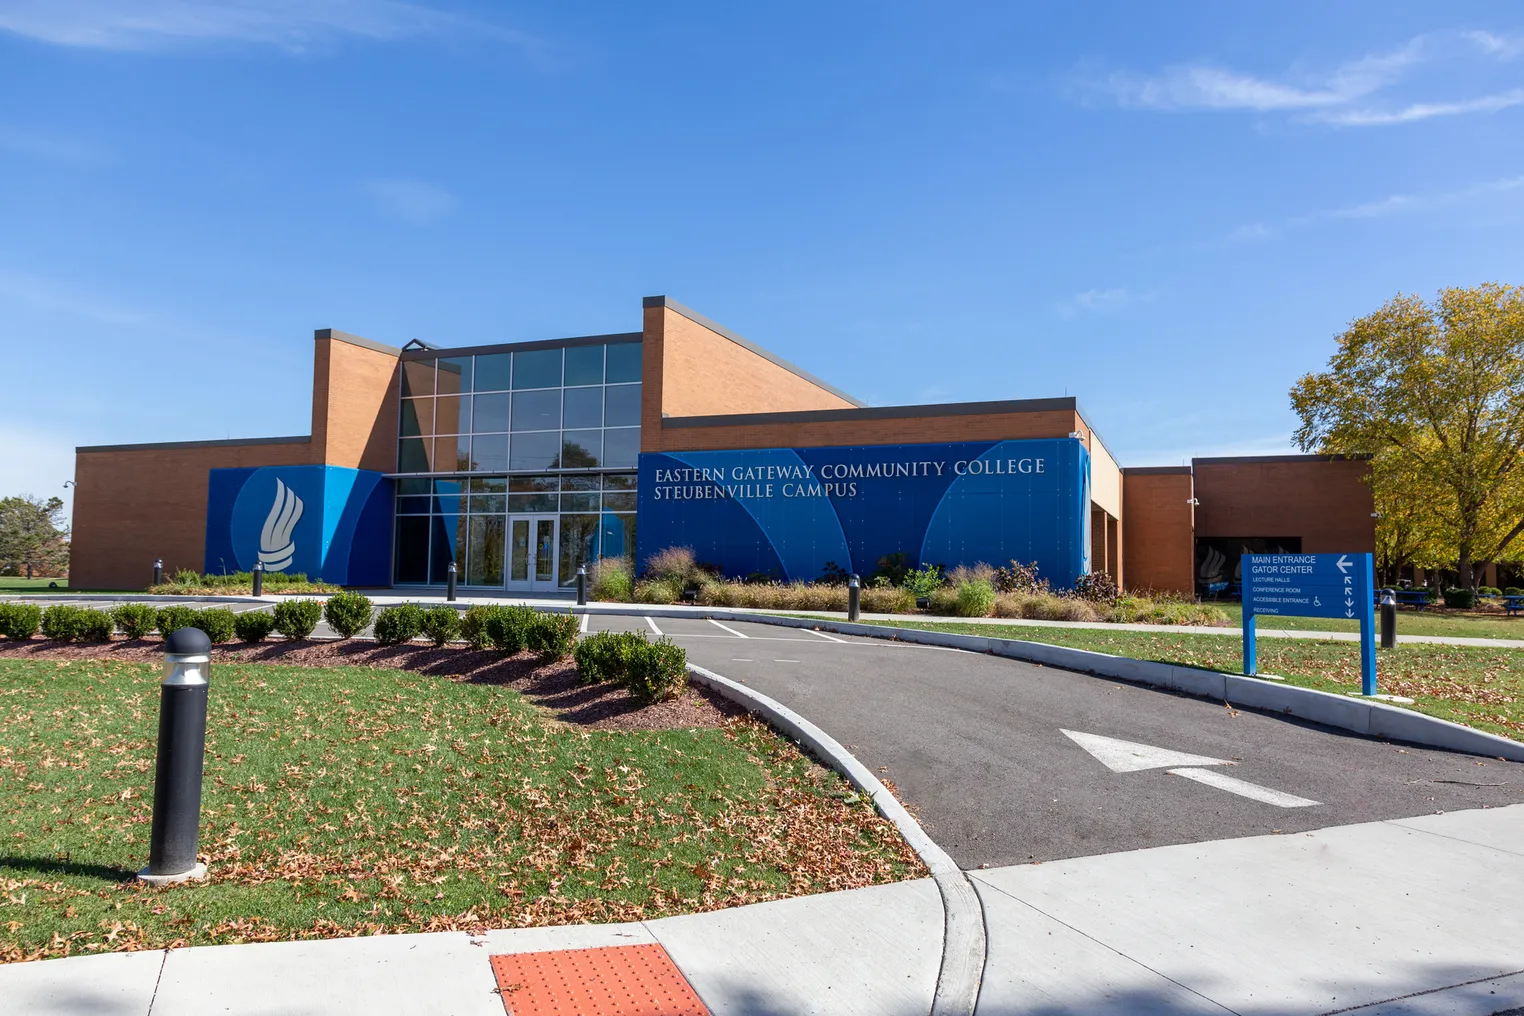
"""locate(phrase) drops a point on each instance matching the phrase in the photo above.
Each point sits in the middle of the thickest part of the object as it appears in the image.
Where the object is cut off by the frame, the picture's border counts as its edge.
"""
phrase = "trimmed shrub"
(253, 625)
(296, 619)
(611, 578)
(974, 598)
(94, 626)
(1460, 599)
(604, 656)
(347, 613)
(172, 617)
(473, 625)
(19, 620)
(1488, 591)
(508, 628)
(440, 624)
(219, 623)
(551, 636)
(61, 622)
(1513, 591)
(135, 619)
(399, 624)
(656, 671)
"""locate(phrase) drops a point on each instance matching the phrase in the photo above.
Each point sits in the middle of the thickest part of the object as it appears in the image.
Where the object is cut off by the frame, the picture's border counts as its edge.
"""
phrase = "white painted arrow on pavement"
(1129, 756)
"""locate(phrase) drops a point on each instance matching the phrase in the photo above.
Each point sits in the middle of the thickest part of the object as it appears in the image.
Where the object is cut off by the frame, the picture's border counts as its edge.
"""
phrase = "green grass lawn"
(1409, 622)
(22, 584)
(355, 800)
(1480, 687)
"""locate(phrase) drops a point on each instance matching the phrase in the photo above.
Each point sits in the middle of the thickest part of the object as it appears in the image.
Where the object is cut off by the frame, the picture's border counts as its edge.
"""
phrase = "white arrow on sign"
(1129, 756)
(1343, 564)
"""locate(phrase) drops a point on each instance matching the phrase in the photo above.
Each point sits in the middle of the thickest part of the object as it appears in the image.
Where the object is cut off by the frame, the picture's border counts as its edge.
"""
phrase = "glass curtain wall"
(539, 431)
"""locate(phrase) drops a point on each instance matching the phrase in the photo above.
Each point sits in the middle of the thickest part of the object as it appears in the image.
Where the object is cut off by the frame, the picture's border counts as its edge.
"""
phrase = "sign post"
(1313, 585)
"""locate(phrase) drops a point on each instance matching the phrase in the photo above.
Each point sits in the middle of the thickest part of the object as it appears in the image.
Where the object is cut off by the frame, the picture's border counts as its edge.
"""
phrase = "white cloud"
(1420, 111)
(1342, 97)
(1203, 86)
(1099, 301)
(412, 200)
(291, 24)
(1393, 204)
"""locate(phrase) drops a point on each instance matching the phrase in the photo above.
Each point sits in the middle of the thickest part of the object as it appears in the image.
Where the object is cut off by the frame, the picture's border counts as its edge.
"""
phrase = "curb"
(963, 938)
(1372, 719)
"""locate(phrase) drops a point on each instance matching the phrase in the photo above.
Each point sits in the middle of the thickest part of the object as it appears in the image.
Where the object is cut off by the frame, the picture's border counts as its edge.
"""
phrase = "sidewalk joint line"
(974, 875)
(1445, 836)
(1420, 994)
(154, 998)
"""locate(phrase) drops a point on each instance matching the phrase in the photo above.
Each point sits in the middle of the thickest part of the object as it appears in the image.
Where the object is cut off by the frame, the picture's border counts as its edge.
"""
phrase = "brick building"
(518, 462)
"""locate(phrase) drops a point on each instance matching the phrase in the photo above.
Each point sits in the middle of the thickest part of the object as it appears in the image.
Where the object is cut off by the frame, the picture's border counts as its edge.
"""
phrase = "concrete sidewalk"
(1413, 917)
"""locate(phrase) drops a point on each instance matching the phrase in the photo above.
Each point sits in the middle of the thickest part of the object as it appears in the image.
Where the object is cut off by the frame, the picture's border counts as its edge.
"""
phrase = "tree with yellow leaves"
(1435, 391)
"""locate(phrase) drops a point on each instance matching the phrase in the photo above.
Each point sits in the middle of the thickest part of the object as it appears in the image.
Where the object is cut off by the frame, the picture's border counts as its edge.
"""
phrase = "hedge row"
(650, 671)
(69, 623)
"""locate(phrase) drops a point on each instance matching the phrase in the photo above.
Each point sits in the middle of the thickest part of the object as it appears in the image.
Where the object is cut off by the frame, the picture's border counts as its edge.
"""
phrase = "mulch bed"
(552, 687)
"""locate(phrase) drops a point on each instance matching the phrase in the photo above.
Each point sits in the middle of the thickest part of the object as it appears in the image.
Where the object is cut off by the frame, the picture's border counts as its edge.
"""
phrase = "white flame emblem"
(275, 545)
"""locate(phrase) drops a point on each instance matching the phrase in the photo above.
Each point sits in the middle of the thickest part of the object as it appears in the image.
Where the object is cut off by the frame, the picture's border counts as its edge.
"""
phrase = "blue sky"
(1166, 210)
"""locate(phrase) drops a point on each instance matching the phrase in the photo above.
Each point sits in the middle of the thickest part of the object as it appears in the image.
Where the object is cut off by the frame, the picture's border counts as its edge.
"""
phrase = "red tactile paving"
(621, 980)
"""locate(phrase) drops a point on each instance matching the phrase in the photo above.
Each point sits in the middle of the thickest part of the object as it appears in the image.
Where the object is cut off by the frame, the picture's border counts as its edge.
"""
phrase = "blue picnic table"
(1513, 604)
(1409, 597)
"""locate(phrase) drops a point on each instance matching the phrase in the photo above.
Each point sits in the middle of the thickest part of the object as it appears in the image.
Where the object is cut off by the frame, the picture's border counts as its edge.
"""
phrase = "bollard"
(182, 748)
(259, 578)
(450, 581)
(854, 596)
(158, 571)
(581, 585)
(1388, 619)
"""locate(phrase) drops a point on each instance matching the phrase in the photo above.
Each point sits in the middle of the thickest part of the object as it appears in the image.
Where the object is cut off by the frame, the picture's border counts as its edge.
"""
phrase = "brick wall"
(137, 504)
(690, 369)
(1324, 500)
(1158, 542)
(354, 402)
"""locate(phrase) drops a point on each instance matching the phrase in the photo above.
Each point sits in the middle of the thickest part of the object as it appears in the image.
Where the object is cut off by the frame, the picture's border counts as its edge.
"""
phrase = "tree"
(1408, 531)
(32, 530)
(1436, 392)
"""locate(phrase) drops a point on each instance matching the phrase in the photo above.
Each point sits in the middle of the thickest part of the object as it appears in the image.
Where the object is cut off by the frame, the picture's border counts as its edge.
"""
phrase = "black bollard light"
(1388, 620)
(450, 581)
(158, 571)
(854, 597)
(581, 585)
(259, 578)
(182, 748)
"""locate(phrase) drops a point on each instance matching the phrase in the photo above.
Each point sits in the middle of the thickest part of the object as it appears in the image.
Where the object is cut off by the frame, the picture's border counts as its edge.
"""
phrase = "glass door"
(532, 553)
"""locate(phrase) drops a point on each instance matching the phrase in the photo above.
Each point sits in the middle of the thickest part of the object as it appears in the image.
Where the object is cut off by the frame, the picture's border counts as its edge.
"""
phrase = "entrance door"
(532, 553)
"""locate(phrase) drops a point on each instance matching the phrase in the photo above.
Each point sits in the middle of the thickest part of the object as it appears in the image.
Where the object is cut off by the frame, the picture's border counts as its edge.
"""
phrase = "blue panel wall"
(789, 511)
(326, 522)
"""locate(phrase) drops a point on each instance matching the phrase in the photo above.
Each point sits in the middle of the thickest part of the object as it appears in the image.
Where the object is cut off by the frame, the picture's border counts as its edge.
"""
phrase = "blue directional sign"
(1312, 585)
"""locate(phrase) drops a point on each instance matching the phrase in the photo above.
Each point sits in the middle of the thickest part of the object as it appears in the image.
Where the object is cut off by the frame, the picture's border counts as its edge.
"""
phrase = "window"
(537, 410)
(623, 363)
(584, 365)
(573, 407)
(537, 368)
(583, 407)
(621, 406)
(493, 371)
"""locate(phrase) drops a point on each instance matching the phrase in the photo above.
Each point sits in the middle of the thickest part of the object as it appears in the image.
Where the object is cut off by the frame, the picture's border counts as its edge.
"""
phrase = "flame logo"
(276, 548)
